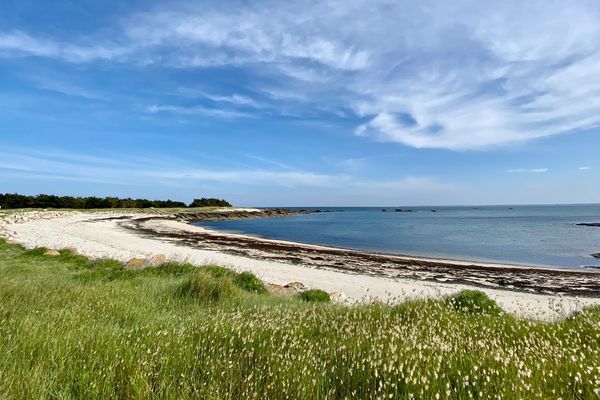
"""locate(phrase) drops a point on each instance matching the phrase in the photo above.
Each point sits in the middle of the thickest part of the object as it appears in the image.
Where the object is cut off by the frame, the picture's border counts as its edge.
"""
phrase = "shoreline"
(555, 281)
(409, 257)
(351, 275)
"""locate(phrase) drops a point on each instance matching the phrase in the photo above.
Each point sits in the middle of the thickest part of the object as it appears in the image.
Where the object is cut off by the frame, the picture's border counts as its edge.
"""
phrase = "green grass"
(75, 329)
(314, 296)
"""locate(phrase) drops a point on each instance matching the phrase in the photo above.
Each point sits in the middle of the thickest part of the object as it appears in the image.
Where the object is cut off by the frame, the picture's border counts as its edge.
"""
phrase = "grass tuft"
(314, 296)
(249, 282)
(207, 289)
(474, 302)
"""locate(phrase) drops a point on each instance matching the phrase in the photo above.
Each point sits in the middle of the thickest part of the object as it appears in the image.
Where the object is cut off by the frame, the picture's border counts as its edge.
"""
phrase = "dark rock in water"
(596, 255)
(401, 210)
(384, 210)
(433, 210)
(595, 224)
(591, 266)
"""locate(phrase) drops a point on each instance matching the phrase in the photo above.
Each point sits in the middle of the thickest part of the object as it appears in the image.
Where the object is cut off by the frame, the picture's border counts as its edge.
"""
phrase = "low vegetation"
(14, 201)
(314, 296)
(74, 328)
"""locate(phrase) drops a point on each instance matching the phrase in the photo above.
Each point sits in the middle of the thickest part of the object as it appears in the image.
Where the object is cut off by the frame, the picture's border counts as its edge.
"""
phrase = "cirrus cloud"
(462, 75)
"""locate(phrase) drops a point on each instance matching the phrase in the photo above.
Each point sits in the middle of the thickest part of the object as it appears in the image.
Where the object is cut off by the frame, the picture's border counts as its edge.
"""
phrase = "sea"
(538, 236)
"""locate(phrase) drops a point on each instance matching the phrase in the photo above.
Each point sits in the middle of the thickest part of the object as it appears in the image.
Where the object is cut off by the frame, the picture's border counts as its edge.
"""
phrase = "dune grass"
(75, 329)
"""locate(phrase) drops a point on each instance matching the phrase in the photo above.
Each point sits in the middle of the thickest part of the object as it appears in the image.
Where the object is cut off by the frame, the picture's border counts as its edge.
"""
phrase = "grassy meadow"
(71, 328)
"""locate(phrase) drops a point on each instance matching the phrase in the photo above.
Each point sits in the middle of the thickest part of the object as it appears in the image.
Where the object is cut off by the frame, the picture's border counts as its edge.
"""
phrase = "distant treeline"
(9, 200)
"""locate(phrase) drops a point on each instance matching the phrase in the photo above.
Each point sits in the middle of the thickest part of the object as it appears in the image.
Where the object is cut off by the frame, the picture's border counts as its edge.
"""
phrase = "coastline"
(352, 275)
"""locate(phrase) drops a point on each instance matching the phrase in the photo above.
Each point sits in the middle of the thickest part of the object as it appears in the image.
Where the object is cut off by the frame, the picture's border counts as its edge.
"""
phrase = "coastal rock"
(52, 253)
(278, 290)
(297, 286)
(594, 224)
(596, 255)
(158, 259)
(339, 298)
(135, 263)
(72, 250)
(239, 214)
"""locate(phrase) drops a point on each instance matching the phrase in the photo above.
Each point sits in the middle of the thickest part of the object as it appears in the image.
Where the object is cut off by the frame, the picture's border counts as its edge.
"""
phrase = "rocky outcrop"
(296, 286)
(158, 260)
(594, 224)
(136, 263)
(52, 253)
(139, 263)
(238, 214)
(596, 255)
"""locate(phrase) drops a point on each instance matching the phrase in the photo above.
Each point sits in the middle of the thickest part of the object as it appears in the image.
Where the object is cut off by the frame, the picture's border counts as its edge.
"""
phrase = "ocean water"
(527, 235)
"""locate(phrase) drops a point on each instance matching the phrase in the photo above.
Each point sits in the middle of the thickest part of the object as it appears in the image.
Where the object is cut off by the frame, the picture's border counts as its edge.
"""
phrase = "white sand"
(105, 239)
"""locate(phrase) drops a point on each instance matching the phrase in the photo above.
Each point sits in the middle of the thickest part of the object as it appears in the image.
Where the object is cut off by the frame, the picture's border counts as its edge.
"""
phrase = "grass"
(75, 329)
(314, 296)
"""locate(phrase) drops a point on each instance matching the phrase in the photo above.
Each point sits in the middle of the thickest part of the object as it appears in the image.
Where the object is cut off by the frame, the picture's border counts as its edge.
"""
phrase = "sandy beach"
(353, 276)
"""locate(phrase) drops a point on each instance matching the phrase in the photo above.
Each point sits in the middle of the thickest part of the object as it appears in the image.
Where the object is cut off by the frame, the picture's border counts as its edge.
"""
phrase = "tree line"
(14, 200)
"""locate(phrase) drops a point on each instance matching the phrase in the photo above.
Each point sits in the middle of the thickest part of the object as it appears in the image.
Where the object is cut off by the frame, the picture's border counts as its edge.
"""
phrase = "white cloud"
(532, 170)
(585, 168)
(199, 111)
(434, 74)
(21, 43)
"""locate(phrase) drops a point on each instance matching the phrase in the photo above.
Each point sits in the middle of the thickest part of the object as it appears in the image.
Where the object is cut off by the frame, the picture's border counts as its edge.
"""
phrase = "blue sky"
(302, 103)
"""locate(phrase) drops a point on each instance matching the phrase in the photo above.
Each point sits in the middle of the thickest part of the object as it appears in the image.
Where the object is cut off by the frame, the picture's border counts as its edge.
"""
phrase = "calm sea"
(529, 235)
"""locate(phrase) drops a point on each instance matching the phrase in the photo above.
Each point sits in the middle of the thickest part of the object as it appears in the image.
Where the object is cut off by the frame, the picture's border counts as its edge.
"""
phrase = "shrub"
(207, 289)
(474, 302)
(250, 283)
(210, 202)
(218, 272)
(314, 296)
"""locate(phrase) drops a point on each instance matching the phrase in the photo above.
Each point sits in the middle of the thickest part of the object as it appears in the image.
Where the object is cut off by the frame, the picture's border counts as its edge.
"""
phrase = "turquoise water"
(529, 235)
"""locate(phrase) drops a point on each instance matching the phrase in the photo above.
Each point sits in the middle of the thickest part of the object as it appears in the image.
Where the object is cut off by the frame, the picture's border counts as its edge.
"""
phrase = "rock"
(594, 224)
(338, 297)
(297, 286)
(158, 259)
(278, 290)
(596, 255)
(52, 253)
(72, 250)
(135, 263)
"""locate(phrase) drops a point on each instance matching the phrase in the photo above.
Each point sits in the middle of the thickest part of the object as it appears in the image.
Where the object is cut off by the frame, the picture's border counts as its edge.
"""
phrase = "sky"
(303, 103)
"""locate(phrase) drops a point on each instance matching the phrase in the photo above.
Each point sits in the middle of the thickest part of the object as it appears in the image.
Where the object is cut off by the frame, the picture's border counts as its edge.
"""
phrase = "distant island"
(14, 200)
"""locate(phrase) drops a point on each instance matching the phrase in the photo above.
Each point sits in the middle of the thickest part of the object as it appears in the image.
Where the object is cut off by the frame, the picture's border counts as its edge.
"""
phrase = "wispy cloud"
(20, 43)
(584, 168)
(531, 170)
(125, 169)
(89, 168)
(456, 75)
(199, 111)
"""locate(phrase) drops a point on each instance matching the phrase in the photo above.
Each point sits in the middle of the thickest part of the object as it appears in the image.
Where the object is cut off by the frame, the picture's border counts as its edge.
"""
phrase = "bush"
(474, 302)
(250, 283)
(207, 289)
(314, 296)
(218, 272)
(210, 202)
